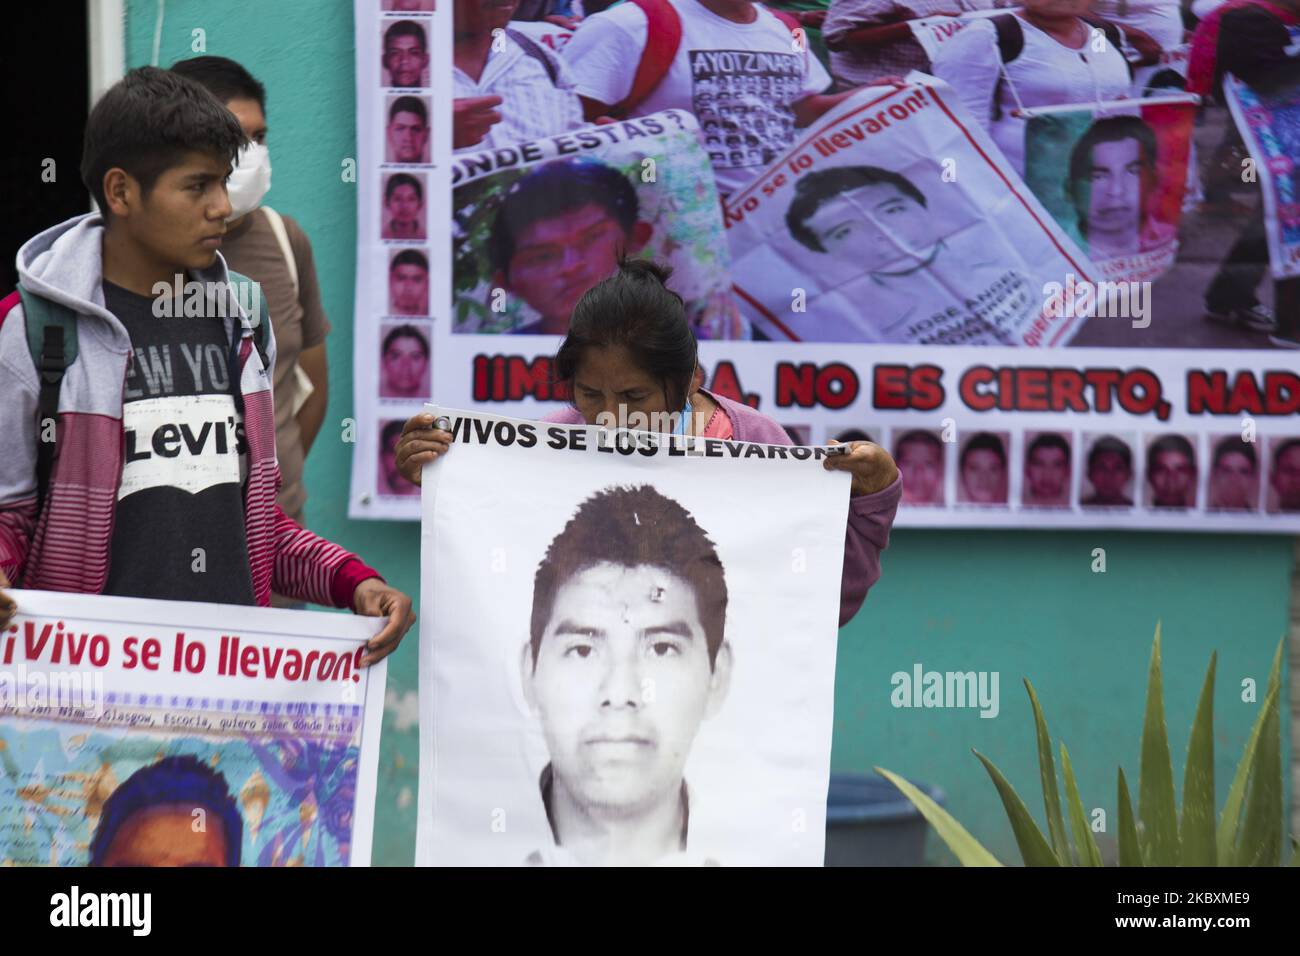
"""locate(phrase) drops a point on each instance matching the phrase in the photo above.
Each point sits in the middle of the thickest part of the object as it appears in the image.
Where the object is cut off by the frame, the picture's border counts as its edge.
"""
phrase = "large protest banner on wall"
(632, 670)
(1269, 122)
(143, 733)
(1025, 352)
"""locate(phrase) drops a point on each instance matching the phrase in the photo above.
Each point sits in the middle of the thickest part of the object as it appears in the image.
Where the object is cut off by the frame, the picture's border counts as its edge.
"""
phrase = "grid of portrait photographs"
(1087, 471)
(396, 342)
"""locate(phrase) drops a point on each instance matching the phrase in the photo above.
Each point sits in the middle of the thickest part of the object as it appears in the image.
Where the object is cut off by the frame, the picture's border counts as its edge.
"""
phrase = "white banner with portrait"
(618, 664)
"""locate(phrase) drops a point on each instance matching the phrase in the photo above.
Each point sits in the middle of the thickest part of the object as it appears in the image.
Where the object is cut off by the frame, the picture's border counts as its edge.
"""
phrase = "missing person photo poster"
(142, 733)
(885, 271)
(618, 665)
(1115, 180)
(400, 173)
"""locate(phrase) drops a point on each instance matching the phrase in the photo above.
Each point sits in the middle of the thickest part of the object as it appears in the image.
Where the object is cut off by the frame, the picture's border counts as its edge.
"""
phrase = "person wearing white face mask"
(274, 251)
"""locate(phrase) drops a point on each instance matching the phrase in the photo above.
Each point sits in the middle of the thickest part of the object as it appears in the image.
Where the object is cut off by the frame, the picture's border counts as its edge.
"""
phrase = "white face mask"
(249, 180)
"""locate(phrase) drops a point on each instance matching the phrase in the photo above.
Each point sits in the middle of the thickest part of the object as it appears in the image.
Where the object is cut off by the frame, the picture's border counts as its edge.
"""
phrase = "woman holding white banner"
(1046, 54)
(630, 359)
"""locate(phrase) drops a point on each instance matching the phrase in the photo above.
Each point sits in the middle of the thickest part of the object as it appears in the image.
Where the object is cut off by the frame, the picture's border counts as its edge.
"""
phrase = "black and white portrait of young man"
(626, 660)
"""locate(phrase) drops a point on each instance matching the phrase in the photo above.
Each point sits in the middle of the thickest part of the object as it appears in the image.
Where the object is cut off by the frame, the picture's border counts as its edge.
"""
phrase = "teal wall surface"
(1020, 603)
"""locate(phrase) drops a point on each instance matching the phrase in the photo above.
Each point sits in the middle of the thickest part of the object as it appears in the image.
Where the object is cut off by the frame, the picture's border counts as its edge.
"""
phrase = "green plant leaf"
(1196, 833)
(1034, 849)
(965, 847)
(1231, 816)
(1130, 851)
(1157, 808)
(1261, 830)
(1047, 775)
(1084, 844)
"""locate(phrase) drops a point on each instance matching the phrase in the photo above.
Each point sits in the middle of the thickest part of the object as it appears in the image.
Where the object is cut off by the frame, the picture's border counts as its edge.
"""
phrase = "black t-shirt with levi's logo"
(179, 529)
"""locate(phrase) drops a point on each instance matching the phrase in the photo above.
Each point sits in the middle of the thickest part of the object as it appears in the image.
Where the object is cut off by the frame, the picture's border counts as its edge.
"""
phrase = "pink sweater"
(870, 516)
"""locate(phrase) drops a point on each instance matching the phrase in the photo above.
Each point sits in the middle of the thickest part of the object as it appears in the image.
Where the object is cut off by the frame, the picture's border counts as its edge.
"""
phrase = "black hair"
(147, 122)
(1111, 129)
(392, 430)
(917, 435)
(1174, 443)
(223, 78)
(1048, 440)
(812, 190)
(554, 189)
(630, 527)
(1234, 444)
(983, 441)
(1109, 444)
(406, 28)
(409, 104)
(406, 331)
(409, 257)
(403, 179)
(635, 309)
(1283, 448)
(182, 779)
(853, 434)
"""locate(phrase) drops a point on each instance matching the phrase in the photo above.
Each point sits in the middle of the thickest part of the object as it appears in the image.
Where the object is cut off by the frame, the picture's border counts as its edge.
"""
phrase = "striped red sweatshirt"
(66, 548)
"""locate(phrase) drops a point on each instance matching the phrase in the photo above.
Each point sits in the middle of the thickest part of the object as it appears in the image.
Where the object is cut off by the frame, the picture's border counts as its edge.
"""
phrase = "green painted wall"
(1023, 604)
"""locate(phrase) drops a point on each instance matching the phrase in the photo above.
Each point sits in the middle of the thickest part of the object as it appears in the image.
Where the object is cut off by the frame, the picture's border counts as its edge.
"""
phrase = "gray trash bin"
(870, 823)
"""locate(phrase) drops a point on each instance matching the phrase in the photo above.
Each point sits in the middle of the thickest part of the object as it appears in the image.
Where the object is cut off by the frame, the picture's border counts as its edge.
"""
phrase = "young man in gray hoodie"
(163, 476)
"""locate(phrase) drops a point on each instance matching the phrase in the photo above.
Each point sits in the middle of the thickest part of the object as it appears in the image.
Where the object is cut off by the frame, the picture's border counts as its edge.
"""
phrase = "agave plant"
(1249, 830)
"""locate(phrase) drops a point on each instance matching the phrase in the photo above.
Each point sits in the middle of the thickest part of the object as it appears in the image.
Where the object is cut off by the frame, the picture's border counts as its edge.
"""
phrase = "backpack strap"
(52, 342)
(1115, 36)
(1011, 36)
(276, 222)
(663, 37)
(1011, 42)
(537, 53)
(259, 311)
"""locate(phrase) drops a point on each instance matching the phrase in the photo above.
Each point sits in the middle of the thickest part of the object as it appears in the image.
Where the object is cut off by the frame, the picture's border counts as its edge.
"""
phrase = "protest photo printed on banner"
(1109, 472)
(921, 456)
(1235, 470)
(1284, 475)
(404, 211)
(1172, 469)
(408, 282)
(896, 199)
(135, 733)
(983, 471)
(630, 673)
(532, 234)
(404, 56)
(405, 361)
(1115, 182)
(407, 133)
(1048, 469)
(965, 239)
(389, 480)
